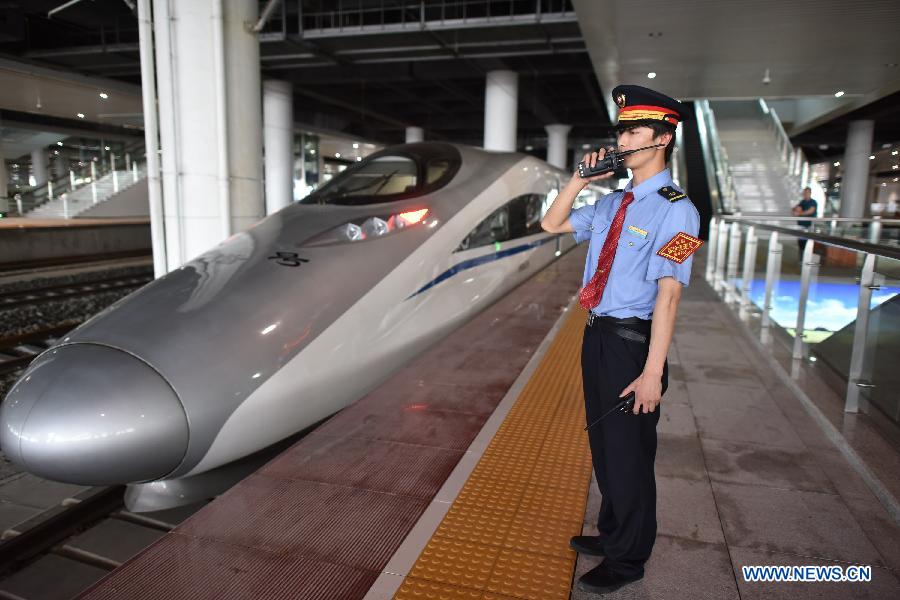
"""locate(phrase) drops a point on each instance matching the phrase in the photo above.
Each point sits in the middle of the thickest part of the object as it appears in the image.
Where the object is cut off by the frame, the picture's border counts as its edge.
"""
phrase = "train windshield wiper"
(383, 179)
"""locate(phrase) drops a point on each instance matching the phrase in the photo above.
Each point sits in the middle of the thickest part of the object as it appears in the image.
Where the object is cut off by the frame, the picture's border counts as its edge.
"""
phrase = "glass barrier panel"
(880, 376)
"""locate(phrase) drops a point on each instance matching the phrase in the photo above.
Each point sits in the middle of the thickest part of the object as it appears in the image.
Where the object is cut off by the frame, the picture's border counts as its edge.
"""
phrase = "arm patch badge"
(671, 194)
(680, 247)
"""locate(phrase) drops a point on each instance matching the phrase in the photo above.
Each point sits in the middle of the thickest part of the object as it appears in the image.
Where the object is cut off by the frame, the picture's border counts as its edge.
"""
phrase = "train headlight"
(351, 231)
(373, 226)
(365, 228)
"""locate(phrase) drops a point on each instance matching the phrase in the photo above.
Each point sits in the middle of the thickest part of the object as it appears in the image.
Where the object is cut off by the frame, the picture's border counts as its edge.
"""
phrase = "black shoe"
(587, 544)
(601, 580)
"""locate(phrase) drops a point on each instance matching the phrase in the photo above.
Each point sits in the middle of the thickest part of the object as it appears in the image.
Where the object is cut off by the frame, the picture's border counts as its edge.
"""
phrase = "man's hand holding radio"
(591, 159)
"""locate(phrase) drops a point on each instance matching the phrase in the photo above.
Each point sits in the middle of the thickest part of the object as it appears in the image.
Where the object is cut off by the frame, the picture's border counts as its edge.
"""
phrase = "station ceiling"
(369, 83)
(368, 68)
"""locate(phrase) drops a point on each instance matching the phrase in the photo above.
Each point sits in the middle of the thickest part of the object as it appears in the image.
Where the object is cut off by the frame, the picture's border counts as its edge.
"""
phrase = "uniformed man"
(639, 257)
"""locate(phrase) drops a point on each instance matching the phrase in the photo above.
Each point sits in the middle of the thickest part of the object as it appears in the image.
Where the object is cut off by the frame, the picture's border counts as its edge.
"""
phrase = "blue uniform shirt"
(650, 222)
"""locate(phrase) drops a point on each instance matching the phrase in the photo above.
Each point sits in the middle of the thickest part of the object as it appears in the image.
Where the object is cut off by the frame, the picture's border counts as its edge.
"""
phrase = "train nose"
(93, 415)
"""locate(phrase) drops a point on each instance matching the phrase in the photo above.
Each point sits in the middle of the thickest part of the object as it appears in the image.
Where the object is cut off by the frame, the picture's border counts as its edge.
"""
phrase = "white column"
(278, 134)
(855, 183)
(501, 105)
(60, 168)
(414, 134)
(39, 166)
(557, 137)
(210, 121)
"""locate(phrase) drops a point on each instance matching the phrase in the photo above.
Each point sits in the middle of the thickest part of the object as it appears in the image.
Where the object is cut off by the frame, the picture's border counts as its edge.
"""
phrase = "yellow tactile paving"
(506, 535)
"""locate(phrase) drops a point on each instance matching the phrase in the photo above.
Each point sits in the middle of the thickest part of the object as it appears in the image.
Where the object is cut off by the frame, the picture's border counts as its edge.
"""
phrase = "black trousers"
(623, 447)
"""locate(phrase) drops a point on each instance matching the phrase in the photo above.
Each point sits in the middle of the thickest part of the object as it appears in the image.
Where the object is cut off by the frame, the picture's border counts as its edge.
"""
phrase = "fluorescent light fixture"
(104, 95)
(837, 164)
(651, 75)
(337, 154)
(59, 143)
(871, 157)
(839, 93)
(355, 145)
(80, 115)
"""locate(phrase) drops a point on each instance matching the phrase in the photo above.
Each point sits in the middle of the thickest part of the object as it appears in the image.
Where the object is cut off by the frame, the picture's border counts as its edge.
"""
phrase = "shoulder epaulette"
(671, 194)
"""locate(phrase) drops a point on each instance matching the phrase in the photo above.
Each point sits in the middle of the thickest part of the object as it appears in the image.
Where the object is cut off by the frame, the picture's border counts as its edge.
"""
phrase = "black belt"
(618, 326)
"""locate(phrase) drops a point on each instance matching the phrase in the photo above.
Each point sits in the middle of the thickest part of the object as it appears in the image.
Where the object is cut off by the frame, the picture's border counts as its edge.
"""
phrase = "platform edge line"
(386, 585)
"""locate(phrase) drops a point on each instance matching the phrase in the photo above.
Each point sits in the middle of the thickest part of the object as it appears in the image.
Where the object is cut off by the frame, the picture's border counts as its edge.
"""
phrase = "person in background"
(806, 208)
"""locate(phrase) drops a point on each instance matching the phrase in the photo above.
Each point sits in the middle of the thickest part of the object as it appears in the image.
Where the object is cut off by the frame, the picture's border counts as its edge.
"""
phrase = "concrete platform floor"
(746, 477)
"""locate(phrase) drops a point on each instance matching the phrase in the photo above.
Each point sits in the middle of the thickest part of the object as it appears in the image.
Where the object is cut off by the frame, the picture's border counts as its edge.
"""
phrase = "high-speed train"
(284, 324)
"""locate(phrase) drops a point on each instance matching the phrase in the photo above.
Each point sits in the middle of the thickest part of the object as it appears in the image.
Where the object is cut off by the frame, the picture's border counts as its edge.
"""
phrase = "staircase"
(71, 204)
(763, 181)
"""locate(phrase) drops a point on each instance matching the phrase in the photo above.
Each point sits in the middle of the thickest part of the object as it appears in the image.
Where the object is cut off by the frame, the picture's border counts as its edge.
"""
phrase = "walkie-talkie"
(624, 406)
(611, 161)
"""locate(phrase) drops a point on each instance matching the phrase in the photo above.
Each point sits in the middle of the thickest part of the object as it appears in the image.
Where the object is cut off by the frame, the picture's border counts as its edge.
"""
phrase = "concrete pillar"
(557, 136)
(501, 106)
(414, 134)
(855, 183)
(4, 184)
(39, 166)
(60, 167)
(210, 122)
(278, 134)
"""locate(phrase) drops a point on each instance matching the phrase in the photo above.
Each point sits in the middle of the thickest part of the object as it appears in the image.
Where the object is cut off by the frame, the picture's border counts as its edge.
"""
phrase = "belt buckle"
(591, 316)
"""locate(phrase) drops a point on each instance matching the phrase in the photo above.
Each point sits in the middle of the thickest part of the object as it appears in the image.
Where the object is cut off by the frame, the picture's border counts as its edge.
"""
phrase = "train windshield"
(399, 173)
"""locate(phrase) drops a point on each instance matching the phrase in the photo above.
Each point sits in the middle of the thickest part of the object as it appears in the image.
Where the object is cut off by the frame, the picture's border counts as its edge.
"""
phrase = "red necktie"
(593, 291)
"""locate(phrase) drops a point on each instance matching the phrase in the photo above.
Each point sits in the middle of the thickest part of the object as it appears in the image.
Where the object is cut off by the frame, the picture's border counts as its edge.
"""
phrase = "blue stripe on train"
(474, 262)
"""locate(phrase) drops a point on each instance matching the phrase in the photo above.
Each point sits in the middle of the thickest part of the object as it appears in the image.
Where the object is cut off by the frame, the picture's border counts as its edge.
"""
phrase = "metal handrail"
(756, 218)
(831, 240)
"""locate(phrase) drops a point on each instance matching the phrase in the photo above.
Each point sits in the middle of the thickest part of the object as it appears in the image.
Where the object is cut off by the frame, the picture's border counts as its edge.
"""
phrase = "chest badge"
(680, 247)
(637, 231)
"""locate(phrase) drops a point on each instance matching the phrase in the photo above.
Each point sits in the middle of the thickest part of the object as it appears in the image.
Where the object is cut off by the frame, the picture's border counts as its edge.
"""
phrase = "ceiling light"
(839, 93)
(59, 143)
(823, 146)
(358, 158)
(80, 115)
(883, 184)
(585, 146)
(355, 145)
(894, 153)
(871, 157)
(895, 179)
(896, 167)
(837, 164)
(651, 75)
(106, 148)
(337, 154)
(529, 148)
(104, 95)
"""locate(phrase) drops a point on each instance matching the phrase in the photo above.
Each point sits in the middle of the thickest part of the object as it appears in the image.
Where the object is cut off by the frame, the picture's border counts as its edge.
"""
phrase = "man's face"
(639, 136)
(807, 194)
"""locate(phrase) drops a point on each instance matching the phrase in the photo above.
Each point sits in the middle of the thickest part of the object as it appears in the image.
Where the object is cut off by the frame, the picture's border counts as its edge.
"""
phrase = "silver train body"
(284, 324)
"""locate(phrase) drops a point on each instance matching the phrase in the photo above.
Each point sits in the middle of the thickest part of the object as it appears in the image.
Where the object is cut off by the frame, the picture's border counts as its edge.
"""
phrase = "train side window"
(495, 228)
(533, 214)
(525, 215)
(436, 169)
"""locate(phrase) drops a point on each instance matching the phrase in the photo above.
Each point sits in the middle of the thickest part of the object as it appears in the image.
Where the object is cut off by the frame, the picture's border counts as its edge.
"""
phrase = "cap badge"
(620, 100)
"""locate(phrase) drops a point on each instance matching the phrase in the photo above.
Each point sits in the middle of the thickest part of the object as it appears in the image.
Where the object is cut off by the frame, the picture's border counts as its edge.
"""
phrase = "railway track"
(49, 293)
(16, 352)
(53, 532)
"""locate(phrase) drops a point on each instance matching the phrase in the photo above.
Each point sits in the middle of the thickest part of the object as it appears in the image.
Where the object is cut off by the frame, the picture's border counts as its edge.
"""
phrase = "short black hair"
(659, 128)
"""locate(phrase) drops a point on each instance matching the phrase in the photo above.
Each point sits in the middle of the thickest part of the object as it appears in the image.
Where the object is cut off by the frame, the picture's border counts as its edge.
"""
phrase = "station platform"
(465, 474)
(35, 243)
